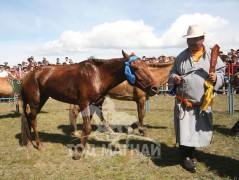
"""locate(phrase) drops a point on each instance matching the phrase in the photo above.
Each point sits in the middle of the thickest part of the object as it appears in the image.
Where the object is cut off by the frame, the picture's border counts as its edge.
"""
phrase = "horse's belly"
(126, 97)
(64, 97)
(6, 91)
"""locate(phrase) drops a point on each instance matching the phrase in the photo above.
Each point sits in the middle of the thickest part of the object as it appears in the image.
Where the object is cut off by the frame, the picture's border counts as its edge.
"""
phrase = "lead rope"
(185, 86)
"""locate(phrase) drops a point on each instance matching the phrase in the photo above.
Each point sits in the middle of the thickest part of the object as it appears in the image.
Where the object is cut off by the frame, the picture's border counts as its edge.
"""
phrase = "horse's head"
(138, 74)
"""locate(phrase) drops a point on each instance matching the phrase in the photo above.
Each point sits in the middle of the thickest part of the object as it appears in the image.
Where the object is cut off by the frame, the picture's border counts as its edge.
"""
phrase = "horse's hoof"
(75, 134)
(130, 130)
(40, 148)
(77, 155)
(78, 152)
(29, 144)
(114, 148)
(144, 134)
(111, 131)
(135, 125)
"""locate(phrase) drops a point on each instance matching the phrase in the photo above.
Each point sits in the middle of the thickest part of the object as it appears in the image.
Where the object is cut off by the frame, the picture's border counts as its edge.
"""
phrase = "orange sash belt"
(185, 101)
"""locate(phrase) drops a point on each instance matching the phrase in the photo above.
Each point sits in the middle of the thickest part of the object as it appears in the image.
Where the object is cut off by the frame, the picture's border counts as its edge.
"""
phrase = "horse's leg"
(73, 114)
(141, 113)
(99, 113)
(33, 118)
(17, 104)
(25, 126)
(85, 112)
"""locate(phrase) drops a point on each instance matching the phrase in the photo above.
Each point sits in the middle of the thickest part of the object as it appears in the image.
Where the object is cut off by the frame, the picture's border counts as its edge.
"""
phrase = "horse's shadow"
(66, 129)
(159, 153)
(224, 130)
(155, 127)
(13, 114)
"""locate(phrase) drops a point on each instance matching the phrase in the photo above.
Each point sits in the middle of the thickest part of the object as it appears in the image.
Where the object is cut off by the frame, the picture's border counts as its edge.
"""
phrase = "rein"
(147, 85)
(130, 76)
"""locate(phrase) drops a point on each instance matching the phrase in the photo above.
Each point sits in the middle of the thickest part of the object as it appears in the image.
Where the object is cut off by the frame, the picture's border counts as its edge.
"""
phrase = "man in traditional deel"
(190, 80)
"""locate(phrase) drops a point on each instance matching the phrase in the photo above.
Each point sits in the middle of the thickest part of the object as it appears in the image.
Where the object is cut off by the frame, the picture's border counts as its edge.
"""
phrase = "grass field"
(131, 159)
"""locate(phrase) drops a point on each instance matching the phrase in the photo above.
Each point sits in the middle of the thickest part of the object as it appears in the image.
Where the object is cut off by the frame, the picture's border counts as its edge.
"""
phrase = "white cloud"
(108, 39)
(210, 24)
(127, 34)
(119, 34)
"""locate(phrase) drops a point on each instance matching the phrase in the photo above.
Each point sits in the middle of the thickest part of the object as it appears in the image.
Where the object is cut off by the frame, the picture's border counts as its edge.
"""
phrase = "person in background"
(224, 58)
(192, 120)
(7, 68)
(31, 68)
(234, 51)
(237, 55)
(39, 63)
(71, 61)
(24, 71)
(229, 55)
(5, 64)
(13, 74)
(58, 61)
(235, 64)
(171, 58)
(235, 68)
(3, 72)
(67, 60)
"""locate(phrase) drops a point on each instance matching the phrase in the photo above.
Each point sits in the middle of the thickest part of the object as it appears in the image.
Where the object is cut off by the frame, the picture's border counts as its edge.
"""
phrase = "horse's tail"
(25, 124)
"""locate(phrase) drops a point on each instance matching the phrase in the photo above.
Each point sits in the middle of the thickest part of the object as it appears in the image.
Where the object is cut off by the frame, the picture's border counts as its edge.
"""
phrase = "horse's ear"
(126, 56)
(132, 54)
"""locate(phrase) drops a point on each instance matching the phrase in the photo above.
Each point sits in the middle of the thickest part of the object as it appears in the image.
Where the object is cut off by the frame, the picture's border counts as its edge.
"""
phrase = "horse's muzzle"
(152, 90)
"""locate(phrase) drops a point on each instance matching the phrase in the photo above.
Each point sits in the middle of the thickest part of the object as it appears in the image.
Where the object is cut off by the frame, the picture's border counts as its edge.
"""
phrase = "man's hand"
(177, 79)
(213, 77)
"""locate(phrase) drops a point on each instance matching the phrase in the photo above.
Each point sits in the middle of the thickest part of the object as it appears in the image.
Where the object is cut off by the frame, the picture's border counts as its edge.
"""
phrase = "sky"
(79, 29)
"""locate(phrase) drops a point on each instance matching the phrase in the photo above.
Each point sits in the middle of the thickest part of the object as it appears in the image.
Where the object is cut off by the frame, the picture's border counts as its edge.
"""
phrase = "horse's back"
(65, 83)
(161, 71)
(54, 81)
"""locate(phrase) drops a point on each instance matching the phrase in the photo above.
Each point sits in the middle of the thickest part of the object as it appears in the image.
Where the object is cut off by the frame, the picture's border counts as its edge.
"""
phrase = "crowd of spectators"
(160, 59)
(19, 70)
(230, 59)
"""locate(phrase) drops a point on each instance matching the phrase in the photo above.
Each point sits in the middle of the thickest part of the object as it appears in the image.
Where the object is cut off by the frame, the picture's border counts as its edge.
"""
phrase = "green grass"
(218, 161)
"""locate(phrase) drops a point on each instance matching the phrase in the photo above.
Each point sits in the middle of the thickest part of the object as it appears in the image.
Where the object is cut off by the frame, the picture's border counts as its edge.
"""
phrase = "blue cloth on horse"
(128, 73)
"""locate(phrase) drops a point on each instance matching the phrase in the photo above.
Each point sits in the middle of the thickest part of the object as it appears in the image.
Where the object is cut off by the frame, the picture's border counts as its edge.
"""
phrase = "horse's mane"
(104, 61)
(163, 64)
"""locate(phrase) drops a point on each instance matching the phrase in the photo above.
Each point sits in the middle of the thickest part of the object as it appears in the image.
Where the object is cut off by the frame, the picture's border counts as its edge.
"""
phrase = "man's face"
(195, 43)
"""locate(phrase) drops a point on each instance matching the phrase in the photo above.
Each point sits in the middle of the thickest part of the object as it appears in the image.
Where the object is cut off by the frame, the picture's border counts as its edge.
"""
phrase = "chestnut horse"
(125, 91)
(84, 84)
(6, 91)
(5, 88)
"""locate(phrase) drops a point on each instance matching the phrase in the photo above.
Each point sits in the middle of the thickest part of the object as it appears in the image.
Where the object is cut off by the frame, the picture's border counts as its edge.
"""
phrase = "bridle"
(131, 77)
